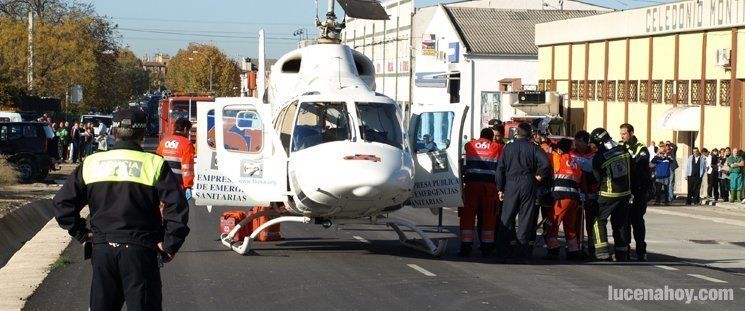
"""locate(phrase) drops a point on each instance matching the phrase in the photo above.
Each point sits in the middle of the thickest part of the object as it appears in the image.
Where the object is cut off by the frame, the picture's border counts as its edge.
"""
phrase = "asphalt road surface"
(365, 268)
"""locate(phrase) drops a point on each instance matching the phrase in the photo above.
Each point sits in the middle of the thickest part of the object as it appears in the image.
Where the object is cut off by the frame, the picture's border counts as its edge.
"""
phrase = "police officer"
(480, 193)
(520, 167)
(123, 189)
(611, 166)
(178, 152)
(640, 183)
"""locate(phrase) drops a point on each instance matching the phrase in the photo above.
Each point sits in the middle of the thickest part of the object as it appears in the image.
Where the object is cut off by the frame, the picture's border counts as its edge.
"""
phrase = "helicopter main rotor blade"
(364, 9)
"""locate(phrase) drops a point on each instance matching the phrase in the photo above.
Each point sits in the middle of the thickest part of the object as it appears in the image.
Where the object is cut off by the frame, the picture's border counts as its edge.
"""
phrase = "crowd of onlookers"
(711, 174)
(73, 142)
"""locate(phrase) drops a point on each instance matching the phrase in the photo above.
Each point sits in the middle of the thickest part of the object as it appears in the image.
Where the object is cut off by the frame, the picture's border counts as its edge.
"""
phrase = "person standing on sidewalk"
(712, 190)
(672, 151)
(662, 175)
(736, 165)
(695, 171)
(724, 173)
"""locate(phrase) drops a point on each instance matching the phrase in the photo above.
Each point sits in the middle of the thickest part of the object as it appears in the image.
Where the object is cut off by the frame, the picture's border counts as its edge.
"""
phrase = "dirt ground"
(17, 195)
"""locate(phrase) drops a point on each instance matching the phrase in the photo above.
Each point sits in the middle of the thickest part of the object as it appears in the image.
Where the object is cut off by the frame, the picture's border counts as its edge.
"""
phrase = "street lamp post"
(211, 69)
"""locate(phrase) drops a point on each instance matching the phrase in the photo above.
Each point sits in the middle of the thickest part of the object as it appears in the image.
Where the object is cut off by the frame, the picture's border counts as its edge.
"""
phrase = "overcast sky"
(165, 26)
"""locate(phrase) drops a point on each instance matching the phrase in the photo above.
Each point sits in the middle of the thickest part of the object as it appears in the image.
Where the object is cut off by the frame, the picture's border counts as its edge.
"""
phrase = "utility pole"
(30, 51)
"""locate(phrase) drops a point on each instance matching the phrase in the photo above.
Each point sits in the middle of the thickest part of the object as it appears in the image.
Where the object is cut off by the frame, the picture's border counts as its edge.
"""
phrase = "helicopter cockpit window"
(211, 129)
(433, 131)
(243, 130)
(380, 123)
(320, 122)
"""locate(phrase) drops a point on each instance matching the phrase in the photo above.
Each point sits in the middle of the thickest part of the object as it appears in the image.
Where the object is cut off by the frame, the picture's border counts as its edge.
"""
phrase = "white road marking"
(714, 219)
(361, 239)
(420, 269)
(710, 279)
(669, 268)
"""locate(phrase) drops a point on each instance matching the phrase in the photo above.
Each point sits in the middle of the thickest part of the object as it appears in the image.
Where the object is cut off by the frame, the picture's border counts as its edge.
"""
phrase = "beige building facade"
(675, 71)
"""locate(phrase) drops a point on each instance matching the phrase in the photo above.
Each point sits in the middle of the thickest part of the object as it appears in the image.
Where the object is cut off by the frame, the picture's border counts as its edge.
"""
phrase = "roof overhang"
(686, 118)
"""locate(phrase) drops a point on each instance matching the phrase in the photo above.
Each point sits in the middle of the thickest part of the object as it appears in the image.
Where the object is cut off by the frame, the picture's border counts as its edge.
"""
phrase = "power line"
(195, 21)
(190, 40)
(166, 32)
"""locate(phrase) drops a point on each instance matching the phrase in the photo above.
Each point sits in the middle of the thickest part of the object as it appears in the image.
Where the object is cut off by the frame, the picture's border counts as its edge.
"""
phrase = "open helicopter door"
(211, 188)
(435, 133)
(249, 153)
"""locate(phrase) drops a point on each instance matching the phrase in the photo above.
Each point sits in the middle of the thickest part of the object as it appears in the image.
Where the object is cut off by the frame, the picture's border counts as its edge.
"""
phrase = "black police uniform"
(640, 183)
(612, 169)
(124, 189)
(520, 163)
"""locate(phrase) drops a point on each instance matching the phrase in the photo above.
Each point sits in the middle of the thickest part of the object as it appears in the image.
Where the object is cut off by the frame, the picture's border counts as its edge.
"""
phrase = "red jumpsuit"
(566, 190)
(480, 192)
(178, 152)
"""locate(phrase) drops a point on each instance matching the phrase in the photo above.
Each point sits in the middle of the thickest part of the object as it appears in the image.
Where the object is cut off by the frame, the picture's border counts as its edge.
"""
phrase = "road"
(365, 268)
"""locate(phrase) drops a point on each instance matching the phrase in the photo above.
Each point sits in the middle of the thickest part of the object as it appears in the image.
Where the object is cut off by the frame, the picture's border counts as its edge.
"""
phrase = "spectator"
(724, 174)
(75, 142)
(88, 140)
(672, 151)
(81, 141)
(706, 155)
(694, 172)
(662, 174)
(736, 164)
(712, 188)
(63, 137)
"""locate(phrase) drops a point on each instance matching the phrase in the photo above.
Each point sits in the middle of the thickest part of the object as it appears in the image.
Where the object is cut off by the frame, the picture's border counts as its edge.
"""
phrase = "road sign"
(77, 94)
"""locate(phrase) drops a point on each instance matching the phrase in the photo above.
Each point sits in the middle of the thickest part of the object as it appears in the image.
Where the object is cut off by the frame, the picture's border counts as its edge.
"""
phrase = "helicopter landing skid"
(243, 248)
(425, 244)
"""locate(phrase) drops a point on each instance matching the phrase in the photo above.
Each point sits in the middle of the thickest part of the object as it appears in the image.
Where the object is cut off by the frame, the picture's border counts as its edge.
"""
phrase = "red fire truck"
(180, 105)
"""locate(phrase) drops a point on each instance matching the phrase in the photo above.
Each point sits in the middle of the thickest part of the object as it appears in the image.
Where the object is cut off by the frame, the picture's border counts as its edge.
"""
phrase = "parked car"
(10, 116)
(26, 146)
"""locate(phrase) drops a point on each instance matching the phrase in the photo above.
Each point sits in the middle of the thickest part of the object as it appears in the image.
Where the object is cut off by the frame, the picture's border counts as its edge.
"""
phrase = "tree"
(189, 71)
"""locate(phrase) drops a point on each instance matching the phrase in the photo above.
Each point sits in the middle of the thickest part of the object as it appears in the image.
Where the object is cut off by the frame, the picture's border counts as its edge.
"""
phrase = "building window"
(541, 85)
(657, 91)
(622, 91)
(633, 88)
(710, 97)
(582, 90)
(695, 92)
(668, 92)
(601, 90)
(591, 89)
(682, 92)
(610, 90)
(643, 90)
(573, 89)
(724, 92)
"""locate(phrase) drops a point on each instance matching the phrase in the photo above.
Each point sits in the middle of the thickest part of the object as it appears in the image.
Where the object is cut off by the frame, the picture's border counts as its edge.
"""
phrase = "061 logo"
(171, 144)
(482, 145)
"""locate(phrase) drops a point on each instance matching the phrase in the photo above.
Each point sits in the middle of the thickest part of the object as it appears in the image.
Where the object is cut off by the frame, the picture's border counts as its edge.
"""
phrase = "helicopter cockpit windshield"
(320, 122)
(379, 122)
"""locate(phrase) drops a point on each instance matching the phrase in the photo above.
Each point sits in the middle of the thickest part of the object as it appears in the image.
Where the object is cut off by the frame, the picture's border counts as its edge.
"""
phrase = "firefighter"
(178, 152)
(128, 238)
(480, 193)
(640, 184)
(583, 154)
(611, 166)
(566, 189)
(520, 167)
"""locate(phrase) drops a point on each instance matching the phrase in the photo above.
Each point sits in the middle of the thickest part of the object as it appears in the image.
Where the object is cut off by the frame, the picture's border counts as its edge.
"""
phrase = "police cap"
(130, 118)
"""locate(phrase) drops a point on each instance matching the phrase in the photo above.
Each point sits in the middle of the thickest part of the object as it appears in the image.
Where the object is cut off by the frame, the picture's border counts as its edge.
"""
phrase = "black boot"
(574, 256)
(641, 256)
(487, 250)
(552, 254)
(622, 256)
(465, 249)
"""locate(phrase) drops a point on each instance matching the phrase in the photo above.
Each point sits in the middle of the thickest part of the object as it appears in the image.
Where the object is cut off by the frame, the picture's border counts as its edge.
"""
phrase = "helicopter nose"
(366, 192)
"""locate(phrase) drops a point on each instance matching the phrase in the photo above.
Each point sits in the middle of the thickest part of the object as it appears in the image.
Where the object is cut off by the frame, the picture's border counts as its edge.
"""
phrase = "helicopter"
(320, 146)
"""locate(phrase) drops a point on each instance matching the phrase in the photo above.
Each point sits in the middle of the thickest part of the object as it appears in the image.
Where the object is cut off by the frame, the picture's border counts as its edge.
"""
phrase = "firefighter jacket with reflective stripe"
(612, 168)
(567, 176)
(590, 184)
(640, 173)
(178, 152)
(123, 189)
(481, 160)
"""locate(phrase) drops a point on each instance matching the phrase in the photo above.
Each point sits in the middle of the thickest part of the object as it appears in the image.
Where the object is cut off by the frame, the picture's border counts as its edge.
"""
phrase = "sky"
(148, 27)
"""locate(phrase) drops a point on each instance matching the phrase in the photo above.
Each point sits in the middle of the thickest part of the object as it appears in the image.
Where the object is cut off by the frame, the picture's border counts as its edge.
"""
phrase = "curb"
(21, 225)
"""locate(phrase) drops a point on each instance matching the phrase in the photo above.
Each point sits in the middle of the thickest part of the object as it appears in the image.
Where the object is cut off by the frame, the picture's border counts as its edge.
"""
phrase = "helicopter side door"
(435, 133)
(249, 152)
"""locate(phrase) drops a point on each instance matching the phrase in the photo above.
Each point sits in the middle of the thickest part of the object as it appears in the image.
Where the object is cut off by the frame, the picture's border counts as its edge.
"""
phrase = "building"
(670, 70)
(435, 52)
(158, 67)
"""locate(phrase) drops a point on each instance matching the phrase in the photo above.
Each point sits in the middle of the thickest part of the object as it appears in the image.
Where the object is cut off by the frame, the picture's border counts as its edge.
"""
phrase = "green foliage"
(189, 71)
(61, 262)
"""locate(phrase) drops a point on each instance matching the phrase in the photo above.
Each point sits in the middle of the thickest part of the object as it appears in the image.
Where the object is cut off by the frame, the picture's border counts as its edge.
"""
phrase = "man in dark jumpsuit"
(128, 234)
(521, 166)
(611, 166)
(640, 184)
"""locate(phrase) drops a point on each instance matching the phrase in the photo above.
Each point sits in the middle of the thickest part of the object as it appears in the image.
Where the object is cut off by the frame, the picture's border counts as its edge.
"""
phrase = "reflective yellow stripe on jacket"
(122, 166)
